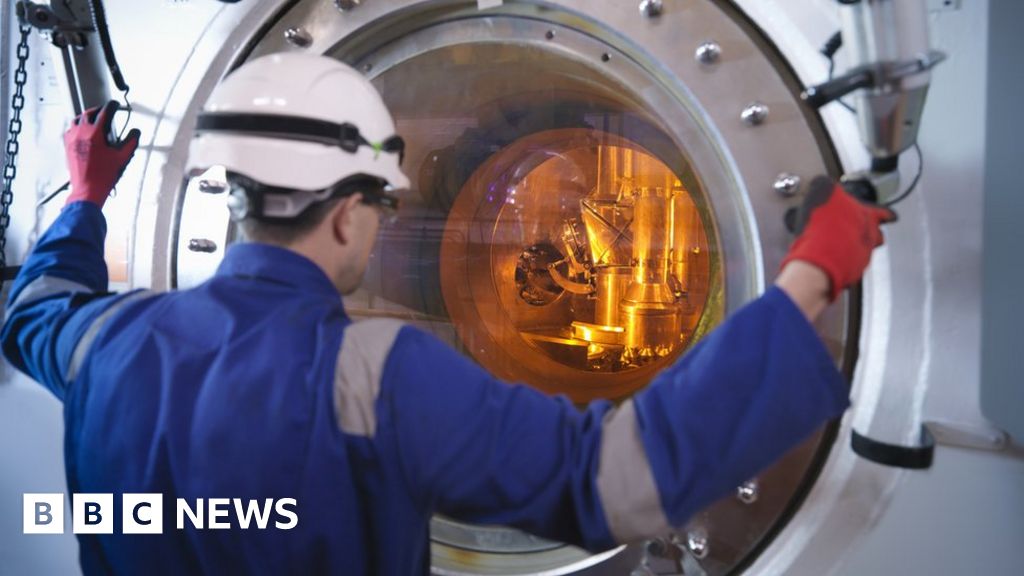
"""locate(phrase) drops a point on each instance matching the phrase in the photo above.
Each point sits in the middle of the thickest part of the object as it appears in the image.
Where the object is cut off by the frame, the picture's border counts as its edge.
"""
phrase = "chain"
(14, 131)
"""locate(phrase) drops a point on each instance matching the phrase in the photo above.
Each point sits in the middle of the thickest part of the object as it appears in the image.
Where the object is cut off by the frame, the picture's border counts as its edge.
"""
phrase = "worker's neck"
(330, 259)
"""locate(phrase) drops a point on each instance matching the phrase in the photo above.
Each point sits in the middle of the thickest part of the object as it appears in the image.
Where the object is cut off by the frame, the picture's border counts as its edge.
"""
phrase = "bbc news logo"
(144, 513)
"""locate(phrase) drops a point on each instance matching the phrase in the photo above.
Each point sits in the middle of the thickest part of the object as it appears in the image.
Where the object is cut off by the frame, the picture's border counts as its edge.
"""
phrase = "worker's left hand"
(96, 158)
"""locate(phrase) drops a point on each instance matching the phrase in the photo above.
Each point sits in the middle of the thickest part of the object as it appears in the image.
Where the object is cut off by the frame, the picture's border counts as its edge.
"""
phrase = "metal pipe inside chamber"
(651, 314)
(635, 222)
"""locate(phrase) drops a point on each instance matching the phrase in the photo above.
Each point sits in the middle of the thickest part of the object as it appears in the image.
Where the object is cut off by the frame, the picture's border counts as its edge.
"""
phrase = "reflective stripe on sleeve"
(357, 375)
(87, 339)
(46, 286)
(625, 482)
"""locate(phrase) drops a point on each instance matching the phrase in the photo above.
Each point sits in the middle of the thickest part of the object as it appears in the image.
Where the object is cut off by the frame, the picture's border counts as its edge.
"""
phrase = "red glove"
(94, 162)
(837, 233)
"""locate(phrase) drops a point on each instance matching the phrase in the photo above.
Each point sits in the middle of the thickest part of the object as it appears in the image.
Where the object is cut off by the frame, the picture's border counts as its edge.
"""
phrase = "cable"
(832, 45)
(913, 183)
(128, 109)
(124, 128)
(99, 21)
(831, 73)
(52, 195)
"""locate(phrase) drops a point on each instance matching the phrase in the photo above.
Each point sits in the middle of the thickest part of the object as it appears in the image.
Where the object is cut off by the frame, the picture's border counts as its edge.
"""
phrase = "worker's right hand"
(95, 163)
(837, 233)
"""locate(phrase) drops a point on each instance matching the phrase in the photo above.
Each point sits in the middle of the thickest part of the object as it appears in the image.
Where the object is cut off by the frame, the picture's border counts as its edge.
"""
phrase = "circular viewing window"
(555, 234)
(594, 254)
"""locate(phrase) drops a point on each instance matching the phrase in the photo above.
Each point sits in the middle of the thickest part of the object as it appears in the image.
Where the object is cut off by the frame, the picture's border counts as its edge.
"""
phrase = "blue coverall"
(257, 385)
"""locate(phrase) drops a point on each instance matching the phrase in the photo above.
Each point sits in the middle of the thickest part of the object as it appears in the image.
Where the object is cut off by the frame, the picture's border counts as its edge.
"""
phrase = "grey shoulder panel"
(625, 481)
(357, 376)
(87, 339)
(45, 286)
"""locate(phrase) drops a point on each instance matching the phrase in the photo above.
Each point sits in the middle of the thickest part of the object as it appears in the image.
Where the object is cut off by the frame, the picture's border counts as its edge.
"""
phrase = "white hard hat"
(298, 122)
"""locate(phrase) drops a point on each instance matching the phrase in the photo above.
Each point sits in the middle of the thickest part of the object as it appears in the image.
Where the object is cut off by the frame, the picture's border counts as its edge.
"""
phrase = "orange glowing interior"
(577, 262)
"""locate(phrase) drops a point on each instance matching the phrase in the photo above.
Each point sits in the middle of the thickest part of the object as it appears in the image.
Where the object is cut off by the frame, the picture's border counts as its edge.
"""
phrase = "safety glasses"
(386, 204)
(250, 198)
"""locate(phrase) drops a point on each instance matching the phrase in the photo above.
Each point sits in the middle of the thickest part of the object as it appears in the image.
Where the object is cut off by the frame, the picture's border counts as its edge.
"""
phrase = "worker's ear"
(343, 219)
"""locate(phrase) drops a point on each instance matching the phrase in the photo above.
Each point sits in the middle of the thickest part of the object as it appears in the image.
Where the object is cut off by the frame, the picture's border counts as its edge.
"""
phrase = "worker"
(257, 385)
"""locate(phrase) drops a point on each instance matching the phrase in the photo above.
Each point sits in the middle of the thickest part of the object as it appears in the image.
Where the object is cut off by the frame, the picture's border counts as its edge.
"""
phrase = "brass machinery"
(597, 254)
(628, 252)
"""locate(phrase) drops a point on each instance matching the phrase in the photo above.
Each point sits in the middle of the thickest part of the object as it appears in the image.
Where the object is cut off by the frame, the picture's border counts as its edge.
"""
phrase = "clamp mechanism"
(890, 71)
(886, 78)
(88, 66)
